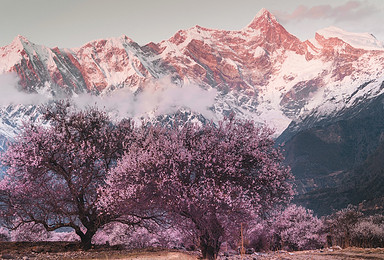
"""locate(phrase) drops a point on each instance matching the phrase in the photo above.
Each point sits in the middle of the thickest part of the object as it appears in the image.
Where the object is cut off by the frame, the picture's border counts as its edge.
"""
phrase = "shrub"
(260, 236)
(140, 237)
(36, 232)
(4, 234)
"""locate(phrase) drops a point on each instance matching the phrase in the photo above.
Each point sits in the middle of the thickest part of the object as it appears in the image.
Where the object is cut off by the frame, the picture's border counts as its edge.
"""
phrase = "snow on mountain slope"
(364, 41)
(261, 72)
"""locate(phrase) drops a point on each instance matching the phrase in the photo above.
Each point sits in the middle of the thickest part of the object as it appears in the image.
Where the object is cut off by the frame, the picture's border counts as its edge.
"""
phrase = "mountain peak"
(125, 38)
(262, 18)
(19, 43)
(263, 12)
(19, 39)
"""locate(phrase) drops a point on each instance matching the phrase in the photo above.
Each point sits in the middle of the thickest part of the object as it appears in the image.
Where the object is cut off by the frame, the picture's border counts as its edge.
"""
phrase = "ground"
(70, 250)
(67, 250)
(324, 254)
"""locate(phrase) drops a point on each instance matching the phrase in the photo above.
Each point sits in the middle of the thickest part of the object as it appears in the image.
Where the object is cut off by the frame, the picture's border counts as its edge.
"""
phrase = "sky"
(73, 23)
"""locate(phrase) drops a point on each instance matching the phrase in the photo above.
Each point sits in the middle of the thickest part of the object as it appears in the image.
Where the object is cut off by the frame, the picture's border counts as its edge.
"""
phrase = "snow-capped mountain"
(261, 72)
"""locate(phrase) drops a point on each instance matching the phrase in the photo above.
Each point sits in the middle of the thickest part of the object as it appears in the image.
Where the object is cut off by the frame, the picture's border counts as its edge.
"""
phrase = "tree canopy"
(205, 174)
(55, 169)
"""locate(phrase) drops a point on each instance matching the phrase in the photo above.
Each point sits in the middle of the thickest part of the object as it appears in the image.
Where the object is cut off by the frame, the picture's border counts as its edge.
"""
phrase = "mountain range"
(323, 96)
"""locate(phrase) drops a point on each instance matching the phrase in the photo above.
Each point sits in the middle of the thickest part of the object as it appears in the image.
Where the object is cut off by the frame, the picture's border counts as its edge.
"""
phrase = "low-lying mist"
(156, 97)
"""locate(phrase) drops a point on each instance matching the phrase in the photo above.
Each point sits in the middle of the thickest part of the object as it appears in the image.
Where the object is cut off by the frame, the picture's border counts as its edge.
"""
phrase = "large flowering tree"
(205, 174)
(54, 170)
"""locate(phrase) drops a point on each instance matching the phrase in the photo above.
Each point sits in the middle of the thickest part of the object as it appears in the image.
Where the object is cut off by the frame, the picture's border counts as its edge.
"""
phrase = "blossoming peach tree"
(209, 175)
(54, 170)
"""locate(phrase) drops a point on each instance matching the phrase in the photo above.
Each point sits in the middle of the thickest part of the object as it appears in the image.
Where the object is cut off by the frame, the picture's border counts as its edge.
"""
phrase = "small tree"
(296, 228)
(54, 171)
(206, 174)
(260, 235)
(368, 232)
(340, 225)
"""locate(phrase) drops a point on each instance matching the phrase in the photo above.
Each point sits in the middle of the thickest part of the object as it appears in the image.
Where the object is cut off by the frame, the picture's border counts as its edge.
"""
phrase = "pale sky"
(72, 23)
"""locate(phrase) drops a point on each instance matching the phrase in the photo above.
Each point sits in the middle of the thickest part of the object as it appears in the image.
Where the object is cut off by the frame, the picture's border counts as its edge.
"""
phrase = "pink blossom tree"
(340, 225)
(296, 228)
(209, 175)
(259, 234)
(54, 170)
(368, 232)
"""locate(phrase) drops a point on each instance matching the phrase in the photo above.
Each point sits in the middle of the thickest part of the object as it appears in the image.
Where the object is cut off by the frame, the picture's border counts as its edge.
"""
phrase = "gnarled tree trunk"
(211, 233)
(86, 238)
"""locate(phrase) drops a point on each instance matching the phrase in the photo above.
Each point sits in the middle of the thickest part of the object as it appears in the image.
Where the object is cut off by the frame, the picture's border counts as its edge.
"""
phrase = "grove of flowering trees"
(185, 183)
(350, 227)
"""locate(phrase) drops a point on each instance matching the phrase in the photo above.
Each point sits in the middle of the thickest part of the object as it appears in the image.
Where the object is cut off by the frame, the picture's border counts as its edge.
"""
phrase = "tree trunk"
(86, 242)
(209, 249)
(210, 237)
(86, 239)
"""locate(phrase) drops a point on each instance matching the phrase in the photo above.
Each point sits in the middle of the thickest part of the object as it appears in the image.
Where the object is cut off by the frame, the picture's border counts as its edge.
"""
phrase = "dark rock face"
(339, 161)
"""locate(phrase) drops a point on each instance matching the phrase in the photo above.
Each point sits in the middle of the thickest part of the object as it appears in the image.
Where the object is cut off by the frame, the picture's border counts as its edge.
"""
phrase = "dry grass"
(67, 250)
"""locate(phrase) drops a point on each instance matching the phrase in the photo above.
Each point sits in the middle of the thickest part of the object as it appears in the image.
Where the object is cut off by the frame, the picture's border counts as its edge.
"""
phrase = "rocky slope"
(338, 160)
(314, 93)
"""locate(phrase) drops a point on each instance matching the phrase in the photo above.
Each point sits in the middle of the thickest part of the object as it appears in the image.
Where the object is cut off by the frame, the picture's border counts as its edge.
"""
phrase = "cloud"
(156, 97)
(12, 94)
(348, 11)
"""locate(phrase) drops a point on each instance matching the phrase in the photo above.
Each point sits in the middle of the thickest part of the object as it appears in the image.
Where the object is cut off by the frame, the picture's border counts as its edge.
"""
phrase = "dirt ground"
(67, 250)
(324, 254)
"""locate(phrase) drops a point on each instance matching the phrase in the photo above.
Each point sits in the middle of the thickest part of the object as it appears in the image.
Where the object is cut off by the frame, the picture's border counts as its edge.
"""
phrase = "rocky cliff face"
(338, 160)
(313, 92)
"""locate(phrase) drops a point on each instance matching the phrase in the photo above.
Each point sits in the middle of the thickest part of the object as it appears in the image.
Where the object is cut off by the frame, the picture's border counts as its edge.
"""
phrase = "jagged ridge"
(262, 71)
